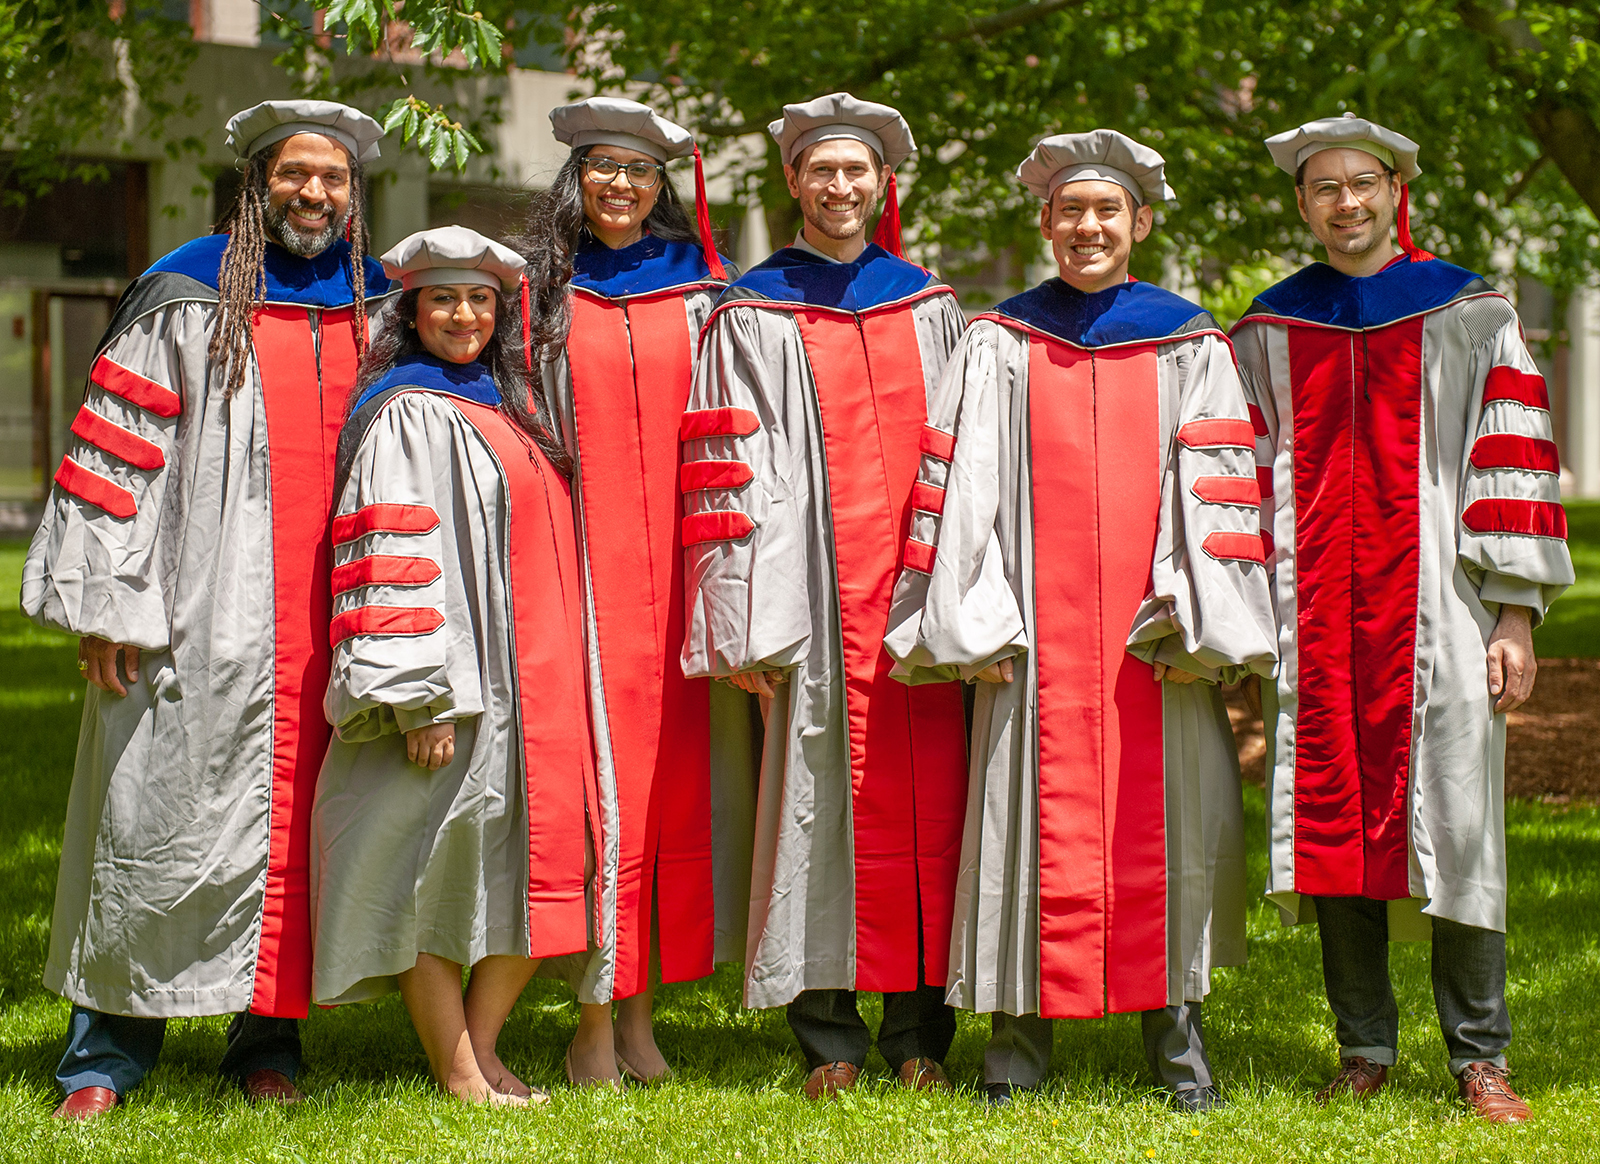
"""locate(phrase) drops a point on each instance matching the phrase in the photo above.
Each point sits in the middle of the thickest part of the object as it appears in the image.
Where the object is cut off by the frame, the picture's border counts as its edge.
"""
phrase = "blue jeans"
(118, 1051)
(1469, 984)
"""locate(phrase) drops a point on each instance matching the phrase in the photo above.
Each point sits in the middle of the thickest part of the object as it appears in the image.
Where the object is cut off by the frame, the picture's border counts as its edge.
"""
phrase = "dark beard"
(297, 241)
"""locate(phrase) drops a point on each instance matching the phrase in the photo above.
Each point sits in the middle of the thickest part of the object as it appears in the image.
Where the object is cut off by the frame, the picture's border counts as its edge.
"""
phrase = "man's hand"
(431, 747)
(1172, 674)
(1000, 672)
(1512, 665)
(757, 682)
(97, 659)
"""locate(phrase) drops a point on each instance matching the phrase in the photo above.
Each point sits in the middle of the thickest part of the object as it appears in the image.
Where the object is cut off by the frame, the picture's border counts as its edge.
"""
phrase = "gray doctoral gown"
(1189, 597)
(486, 855)
(194, 526)
(1404, 433)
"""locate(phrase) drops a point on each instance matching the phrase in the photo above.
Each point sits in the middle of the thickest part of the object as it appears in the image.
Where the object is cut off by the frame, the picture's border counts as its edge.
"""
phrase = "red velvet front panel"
(547, 635)
(1357, 439)
(631, 363)
(1095, 457)
(304, 399)
(907, 744)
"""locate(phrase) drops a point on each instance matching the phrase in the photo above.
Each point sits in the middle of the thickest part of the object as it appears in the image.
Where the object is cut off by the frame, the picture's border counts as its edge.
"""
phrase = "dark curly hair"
(556, 225)
(522, 397)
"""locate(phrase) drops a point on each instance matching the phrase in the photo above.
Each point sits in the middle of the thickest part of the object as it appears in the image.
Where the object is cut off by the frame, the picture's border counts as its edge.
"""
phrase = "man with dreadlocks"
(186, 541)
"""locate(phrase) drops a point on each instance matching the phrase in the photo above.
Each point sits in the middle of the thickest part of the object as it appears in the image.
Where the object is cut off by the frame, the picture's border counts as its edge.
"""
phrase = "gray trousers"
(1469, 984)
(916, 1025)
(117, 1051)
(1174, 1045)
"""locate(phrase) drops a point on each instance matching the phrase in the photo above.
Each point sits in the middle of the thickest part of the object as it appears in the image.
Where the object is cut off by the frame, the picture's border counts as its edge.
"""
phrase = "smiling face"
(838, 183)
(1092, 226)
(455, 321)
(616, 208)
(308, 193)
(1350, 205)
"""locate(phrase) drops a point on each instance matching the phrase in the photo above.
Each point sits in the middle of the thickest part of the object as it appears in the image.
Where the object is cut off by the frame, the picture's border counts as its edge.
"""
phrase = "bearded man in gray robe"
(186, 543)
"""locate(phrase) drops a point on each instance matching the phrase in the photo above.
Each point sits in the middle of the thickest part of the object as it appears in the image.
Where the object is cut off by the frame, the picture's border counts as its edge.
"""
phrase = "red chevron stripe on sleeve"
(383, 620)
(1509, 384)
(89, 486)
(110, 437)
(717, 422)
(384, 570)
(1235, 547)
(1507, 450)
(134, 388)
(1218, 432)
(1228, 490)
(938, 443)
(694, 475)
(919, 556)
(384, 518)
(928, 498)
(717, 525)
(1508, 515)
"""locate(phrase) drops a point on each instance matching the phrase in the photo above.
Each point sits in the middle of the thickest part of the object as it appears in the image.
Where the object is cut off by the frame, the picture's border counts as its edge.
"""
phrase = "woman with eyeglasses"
(643, 279)
(449, 824)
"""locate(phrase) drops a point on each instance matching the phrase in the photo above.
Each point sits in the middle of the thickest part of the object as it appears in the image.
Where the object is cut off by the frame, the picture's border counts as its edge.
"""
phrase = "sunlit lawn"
(738, 1072)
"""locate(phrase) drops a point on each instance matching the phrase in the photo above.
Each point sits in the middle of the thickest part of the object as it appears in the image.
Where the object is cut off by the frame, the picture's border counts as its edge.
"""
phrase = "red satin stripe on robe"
(920, 556)
(937, 443)
(134, 388)
(1506, 450)
(928, 498)
(1096, 464)
(1508, 515)
(907, 744)
(697, 475)
(1357, 441)
(631, 363)
(1234, 547)
(1218, 432)
(383, 518)
(90, 486)
(1258, 421)
(384, 570)
(1228, 490)
(305, 408)
(110, 437)
(1527, 388)
(383, 620)
(547, 630)
(716, 525)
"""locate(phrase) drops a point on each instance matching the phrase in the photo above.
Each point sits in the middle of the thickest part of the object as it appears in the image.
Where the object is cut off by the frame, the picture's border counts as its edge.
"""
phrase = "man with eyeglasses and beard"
(801, 444)
(1410, 491)
(186, 542)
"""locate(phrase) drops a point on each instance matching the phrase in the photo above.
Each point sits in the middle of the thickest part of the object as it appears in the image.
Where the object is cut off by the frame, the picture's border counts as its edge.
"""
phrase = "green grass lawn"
(738, 1072)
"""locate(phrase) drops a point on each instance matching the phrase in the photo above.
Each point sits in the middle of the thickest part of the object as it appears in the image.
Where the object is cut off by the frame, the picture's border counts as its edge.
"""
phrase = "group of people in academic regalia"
(576, 605)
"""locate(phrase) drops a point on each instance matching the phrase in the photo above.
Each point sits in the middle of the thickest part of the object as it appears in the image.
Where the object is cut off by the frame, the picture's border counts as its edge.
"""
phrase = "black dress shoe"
(1001, 1094)
(1196, 1100)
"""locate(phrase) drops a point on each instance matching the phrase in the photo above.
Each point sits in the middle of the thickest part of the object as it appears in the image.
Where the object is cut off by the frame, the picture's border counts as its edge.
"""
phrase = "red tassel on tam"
(1403, 227)
(702, 213)
(527, 325)
(887, 235)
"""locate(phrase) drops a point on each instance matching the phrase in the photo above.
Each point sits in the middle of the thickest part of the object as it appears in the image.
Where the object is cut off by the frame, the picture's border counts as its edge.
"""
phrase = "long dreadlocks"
(242, 281)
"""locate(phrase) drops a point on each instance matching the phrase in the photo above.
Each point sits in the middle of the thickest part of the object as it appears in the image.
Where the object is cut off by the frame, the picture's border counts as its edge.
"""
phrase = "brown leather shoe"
(830, 1079)
(1358, 1075)
(86, 1103)
(1486, 1093)
(268, 1086)
(923, 1075)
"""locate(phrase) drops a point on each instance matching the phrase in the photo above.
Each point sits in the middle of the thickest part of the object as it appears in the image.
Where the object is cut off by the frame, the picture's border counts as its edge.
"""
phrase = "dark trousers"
(916, 1025)
(1469, 984)
(117, 1051)
(1174, 1045)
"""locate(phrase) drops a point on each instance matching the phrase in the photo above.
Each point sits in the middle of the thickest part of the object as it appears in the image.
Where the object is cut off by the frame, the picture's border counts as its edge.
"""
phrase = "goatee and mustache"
(298, 240)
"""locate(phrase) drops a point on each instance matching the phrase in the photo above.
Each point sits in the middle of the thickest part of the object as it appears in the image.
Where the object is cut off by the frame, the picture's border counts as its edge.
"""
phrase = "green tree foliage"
(74, 72)
(1501, 97)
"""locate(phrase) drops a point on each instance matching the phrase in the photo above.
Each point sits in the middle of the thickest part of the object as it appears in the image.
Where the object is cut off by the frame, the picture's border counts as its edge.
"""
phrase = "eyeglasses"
(641, 174)
(1363, 186)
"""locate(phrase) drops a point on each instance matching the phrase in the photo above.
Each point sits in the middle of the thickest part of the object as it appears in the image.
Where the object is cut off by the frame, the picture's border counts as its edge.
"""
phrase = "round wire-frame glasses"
(1363, 186)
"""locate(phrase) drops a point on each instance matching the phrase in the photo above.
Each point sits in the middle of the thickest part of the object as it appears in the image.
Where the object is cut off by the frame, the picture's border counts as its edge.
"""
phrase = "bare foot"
(589, 1065)
(499, 1076)
(474, 1088)
(634, 1037)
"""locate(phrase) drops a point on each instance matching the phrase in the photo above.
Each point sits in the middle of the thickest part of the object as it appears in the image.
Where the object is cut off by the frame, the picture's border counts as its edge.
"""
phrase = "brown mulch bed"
(1552, 745)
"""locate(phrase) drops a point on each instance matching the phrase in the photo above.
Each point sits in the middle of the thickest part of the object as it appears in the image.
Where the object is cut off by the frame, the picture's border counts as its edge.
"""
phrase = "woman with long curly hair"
(619, 269)
(449, 826)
